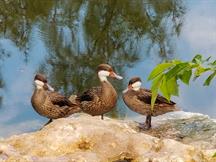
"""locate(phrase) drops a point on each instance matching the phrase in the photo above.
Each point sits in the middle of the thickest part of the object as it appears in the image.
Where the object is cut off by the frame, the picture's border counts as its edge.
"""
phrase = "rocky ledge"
(89, 139)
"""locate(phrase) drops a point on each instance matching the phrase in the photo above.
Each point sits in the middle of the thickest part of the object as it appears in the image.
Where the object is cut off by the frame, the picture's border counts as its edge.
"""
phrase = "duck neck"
(38, 96)
(108, 92)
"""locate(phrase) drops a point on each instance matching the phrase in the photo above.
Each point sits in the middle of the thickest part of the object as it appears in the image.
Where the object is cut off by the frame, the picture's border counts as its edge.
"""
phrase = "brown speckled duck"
(139, 100)
(50, 104)
(102, 99)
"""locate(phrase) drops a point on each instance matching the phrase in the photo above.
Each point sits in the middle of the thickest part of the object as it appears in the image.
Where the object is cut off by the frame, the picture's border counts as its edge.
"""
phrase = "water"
(67, 40)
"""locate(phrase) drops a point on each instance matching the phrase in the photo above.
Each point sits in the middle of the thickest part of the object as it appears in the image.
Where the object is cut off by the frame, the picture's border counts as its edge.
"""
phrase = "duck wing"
(58, 99)
(146, 94)
(90, 94)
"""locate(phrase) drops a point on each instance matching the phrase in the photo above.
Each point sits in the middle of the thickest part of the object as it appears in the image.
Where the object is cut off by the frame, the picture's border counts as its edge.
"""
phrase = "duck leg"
(102, 117)
(48, 122)
(147, 124)
(148, 121)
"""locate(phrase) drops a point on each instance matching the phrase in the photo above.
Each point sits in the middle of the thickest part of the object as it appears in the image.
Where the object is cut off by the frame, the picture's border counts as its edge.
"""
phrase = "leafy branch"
(165, 76)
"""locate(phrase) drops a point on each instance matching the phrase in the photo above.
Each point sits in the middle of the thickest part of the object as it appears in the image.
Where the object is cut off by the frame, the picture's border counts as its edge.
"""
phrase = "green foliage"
(159, 69)
(165, 76)
(209, 79)
(214, 155)
(185, 76)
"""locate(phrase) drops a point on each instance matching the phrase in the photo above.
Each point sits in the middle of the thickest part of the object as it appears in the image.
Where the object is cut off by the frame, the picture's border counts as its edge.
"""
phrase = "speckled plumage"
(51, 104)
(140, 102)
(98, 100)
(102, 99)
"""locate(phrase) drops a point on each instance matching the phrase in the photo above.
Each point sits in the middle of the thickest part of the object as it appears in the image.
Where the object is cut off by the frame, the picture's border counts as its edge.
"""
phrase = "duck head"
(41, 82)
(105, 70)
(134, 84)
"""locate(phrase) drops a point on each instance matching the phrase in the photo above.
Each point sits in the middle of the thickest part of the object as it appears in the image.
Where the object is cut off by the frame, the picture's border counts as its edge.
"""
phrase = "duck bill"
(116, 76)
(50, 88)
(124, 91)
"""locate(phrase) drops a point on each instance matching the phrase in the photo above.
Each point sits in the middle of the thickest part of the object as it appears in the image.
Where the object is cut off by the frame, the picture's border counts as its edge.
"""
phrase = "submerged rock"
(90, 139)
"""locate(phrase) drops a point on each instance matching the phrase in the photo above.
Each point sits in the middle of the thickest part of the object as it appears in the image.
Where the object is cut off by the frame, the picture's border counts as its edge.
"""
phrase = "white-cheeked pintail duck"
(51, 104)
(102, 99)
(139, 100)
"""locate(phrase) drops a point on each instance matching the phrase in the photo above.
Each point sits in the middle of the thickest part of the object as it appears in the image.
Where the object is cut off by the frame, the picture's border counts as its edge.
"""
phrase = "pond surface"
(66, 40)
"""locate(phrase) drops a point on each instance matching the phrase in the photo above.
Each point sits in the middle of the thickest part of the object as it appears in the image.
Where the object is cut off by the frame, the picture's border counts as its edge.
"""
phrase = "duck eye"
(110, 70)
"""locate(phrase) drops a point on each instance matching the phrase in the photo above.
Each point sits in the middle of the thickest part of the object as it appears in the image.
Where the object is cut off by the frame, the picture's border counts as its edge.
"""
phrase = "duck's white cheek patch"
(136, 84)
(39, 83)
(103, 73)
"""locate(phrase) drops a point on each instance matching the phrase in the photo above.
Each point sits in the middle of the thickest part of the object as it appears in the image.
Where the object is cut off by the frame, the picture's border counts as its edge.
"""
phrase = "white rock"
(90, 139)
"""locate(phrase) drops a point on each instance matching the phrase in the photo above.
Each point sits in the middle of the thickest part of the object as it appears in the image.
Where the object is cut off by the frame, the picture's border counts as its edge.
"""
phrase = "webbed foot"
(147, 125)
(144, 126)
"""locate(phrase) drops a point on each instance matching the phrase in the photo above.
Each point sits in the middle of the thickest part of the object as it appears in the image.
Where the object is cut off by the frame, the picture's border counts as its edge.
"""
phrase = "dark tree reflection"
(17, 18)
(2, 84)
(81, 34)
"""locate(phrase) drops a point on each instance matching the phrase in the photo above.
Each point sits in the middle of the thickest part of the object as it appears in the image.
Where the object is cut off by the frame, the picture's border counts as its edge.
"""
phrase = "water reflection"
(109, 31)
(18, 17)
(81, 36)
(3, 55)
(73, 37)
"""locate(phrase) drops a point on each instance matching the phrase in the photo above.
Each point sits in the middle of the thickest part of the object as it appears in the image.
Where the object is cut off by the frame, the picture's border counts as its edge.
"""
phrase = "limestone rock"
(90, 139)
(190, 128)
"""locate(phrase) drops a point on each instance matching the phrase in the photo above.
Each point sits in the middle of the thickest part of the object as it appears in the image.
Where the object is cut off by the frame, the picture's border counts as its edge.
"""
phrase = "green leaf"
(185, 76)
(213, 63)
(193, 65)
(206, 60)
(214, 155)
(159, 69)
(172, 87)
(166, 75)
(197, 59)
(164, 88)
(153, 99)
(154, 88)
(200, 70)
(169, 87)
(209, 79)
(177, 69)
(176, 61)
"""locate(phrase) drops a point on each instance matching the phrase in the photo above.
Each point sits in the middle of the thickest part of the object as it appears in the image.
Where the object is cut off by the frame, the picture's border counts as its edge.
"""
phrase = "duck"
(139, 100)
(102, 99)
(49, 103)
